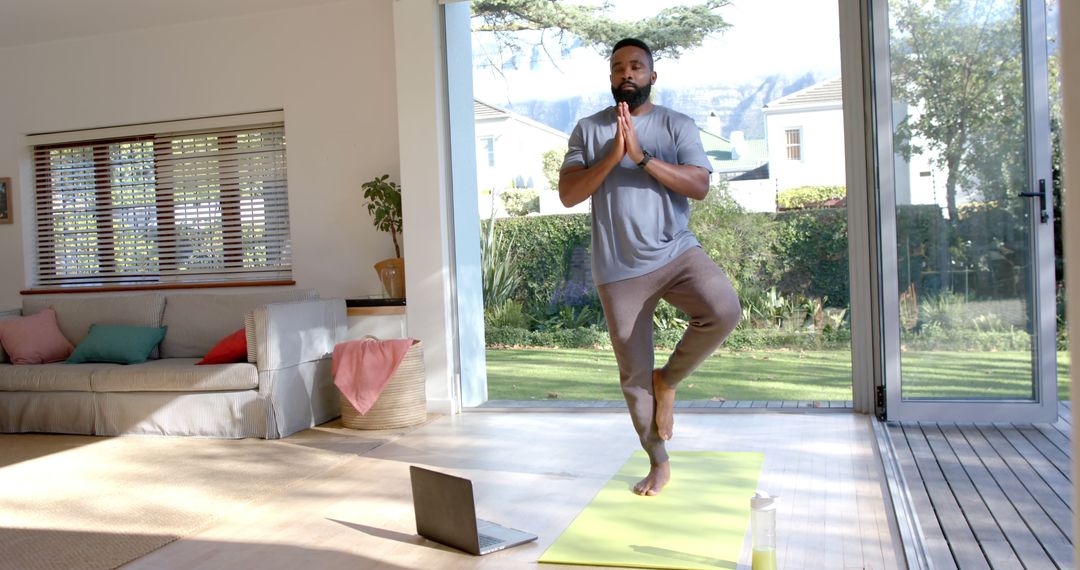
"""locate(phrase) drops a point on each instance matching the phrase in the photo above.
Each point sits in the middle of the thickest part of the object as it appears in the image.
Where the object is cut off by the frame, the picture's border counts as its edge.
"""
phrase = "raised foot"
(654, 482)
(665, 406)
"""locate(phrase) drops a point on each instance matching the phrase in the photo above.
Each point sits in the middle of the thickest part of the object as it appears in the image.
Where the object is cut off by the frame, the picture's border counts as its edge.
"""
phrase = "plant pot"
(392, 276)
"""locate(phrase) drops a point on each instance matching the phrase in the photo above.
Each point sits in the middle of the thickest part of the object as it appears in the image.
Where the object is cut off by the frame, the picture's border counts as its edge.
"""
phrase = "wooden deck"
(985, 495)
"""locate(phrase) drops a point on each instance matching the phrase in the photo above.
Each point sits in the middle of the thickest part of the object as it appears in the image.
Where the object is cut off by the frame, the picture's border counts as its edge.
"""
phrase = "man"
(639, 163)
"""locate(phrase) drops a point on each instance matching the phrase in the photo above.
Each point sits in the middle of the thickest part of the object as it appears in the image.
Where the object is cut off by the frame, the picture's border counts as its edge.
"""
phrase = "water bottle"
(763, 527)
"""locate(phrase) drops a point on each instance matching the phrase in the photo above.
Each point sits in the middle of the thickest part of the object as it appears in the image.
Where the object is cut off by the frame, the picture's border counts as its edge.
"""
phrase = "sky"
(805, 38)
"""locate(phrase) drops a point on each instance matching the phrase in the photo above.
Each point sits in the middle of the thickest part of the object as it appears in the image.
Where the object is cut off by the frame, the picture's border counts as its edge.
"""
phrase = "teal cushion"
(122, 344)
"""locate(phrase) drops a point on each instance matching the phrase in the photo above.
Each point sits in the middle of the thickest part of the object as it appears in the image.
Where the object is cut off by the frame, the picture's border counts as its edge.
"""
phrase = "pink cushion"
(34, 339)
(232, 348)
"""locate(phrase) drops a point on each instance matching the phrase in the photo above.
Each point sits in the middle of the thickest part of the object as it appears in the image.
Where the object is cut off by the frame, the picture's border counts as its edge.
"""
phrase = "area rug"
(100, 502)
(698, 522)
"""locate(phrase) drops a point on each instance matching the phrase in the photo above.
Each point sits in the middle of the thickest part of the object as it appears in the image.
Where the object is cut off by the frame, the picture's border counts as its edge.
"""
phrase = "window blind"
(182, 207)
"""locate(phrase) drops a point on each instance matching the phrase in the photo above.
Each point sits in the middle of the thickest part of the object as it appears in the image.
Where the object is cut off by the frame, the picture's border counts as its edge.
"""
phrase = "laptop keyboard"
(486, 541)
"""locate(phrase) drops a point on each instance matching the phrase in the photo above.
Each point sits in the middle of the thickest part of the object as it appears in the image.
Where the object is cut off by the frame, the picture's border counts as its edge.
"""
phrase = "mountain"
(738, 107)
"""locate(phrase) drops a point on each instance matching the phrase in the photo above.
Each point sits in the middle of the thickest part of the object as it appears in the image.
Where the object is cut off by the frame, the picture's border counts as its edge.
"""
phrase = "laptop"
(446, 513)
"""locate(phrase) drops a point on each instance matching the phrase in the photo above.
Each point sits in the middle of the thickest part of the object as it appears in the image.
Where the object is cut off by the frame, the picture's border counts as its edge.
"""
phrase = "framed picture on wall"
(5, 201)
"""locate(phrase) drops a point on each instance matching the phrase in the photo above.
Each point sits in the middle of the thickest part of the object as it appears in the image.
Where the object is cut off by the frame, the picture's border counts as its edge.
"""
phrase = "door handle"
(1041, 195)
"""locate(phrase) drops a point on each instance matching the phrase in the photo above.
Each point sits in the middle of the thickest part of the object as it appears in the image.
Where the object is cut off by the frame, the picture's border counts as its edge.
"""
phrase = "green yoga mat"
(699, 521)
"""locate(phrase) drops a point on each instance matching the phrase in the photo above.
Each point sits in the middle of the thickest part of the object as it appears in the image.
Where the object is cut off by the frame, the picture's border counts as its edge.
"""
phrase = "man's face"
(631, 76)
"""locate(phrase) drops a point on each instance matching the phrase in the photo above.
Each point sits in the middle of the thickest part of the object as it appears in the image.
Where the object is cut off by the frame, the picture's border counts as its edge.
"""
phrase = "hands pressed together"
(626, 141)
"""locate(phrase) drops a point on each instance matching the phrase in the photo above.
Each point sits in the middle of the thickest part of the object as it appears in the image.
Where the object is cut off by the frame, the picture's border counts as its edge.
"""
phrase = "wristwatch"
(644, 159)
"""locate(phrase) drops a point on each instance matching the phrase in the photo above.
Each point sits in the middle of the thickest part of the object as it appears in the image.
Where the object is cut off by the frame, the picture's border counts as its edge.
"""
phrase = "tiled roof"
(759, 173)
(828, 91)
(483, 110)
(715, 145)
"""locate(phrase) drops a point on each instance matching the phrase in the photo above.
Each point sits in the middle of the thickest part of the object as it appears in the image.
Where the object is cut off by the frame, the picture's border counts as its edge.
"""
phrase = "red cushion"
(232, 348)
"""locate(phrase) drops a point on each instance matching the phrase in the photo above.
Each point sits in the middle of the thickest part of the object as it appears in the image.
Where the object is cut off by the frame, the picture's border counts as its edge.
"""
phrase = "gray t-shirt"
(638, 225)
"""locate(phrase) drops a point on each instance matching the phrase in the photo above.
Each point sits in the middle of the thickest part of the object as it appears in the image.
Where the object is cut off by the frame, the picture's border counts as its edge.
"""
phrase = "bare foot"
(665, 405)
(654, 482)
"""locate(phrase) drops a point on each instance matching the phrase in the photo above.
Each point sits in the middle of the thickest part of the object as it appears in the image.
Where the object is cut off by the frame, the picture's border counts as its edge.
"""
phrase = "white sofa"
(285, 385)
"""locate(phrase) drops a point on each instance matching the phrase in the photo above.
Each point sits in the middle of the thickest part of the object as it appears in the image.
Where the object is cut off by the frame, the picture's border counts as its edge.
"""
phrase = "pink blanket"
(362, 368)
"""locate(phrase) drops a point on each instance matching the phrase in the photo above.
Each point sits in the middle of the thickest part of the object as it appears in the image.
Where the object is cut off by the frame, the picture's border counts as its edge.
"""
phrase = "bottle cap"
(762, 501)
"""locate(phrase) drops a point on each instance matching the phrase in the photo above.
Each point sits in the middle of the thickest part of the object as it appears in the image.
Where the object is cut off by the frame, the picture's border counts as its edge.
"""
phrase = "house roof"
(716, 146)
(759, 173)
(825, 93)
(721, 152)
(485, 111)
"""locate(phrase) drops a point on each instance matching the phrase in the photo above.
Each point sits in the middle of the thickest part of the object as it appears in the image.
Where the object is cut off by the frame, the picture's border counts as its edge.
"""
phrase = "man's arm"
(577, 183)
(686, 179)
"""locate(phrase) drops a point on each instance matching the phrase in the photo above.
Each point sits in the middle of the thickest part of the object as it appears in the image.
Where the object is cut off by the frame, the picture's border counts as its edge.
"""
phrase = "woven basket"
(402, 402)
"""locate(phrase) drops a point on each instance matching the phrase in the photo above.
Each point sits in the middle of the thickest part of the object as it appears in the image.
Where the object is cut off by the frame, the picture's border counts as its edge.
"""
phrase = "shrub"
(573, 305)
(583, 337)
(668, 317)
(738, 241)
(552, 163)
(935, 337)
(497, 275)
(808, 197)
(507, 314)
(497, 337)
(945, 311)
(520, 202)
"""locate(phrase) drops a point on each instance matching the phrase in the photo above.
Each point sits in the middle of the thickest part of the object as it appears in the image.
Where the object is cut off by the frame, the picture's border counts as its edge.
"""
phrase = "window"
(489, 148)
(793, 143)
(198, 206)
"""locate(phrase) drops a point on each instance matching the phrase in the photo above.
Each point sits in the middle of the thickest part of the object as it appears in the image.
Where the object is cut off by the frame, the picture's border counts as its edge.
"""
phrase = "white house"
(805, 135)
(509, 156)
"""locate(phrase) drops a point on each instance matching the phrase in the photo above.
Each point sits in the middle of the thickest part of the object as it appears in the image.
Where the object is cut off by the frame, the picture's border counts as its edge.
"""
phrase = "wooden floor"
(683, 405)
(536, 471)
(989, 495)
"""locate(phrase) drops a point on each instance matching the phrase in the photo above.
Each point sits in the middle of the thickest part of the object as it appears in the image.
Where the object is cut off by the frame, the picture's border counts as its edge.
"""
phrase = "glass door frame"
(1043, 407)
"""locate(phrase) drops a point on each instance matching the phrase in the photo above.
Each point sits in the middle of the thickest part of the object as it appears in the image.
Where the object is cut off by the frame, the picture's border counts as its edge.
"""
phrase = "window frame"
(489, 149)
(796, 146)
(160, 266)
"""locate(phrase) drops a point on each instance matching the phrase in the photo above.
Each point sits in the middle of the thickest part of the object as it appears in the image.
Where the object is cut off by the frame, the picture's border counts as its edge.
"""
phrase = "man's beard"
(635, 98)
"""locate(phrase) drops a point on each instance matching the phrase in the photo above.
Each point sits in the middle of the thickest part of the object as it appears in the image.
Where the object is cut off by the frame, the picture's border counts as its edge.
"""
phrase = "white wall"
(423, 132)
(822, 147)
(519, 158)
(330, 67)
(754, 195)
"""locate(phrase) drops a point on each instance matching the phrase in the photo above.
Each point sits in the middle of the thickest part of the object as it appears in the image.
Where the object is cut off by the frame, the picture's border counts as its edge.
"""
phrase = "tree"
(957, 65)
(552, 163)
(668, 33)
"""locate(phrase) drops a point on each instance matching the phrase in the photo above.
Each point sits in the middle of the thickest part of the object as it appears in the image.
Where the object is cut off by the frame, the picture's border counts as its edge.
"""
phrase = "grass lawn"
(584, 374)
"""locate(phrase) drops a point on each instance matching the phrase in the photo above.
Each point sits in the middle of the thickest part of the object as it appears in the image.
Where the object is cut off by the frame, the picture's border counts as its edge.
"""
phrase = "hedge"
(808, 196)
(591, 337)
(543, 248)
(800, 252)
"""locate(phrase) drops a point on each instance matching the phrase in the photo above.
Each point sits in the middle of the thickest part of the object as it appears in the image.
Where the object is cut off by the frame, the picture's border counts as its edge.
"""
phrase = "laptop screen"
(444, 508)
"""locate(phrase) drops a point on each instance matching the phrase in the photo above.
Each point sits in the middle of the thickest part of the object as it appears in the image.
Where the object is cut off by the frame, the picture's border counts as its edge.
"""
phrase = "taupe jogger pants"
(692, 283)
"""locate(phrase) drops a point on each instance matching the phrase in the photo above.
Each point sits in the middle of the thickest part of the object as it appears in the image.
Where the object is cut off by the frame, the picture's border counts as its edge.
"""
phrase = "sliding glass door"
(965, 211)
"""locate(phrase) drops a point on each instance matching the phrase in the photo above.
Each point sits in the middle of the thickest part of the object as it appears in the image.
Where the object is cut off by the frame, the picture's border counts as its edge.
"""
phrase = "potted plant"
(383, 201)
